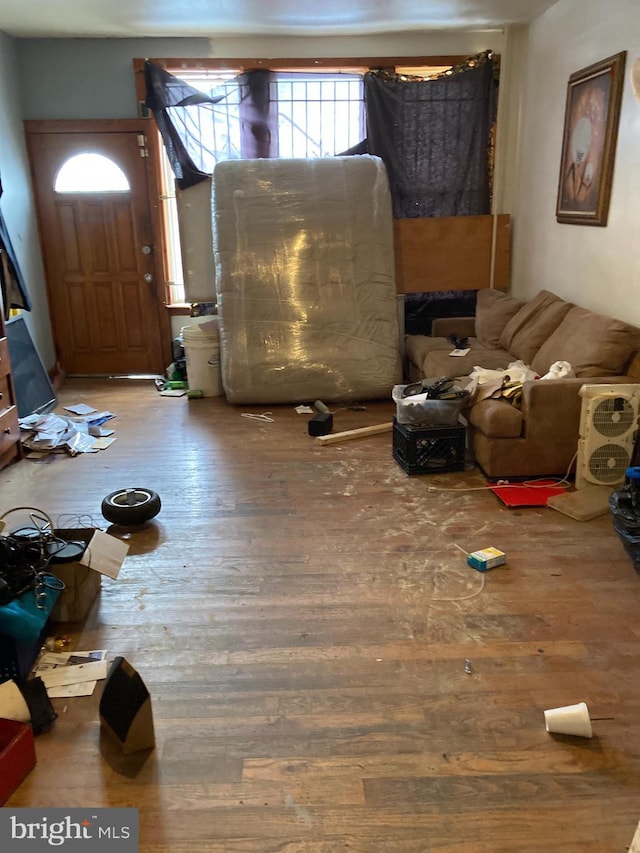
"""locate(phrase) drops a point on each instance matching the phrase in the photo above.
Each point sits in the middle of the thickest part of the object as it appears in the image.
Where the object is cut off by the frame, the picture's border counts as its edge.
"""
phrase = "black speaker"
(125, 708)
(321, 424)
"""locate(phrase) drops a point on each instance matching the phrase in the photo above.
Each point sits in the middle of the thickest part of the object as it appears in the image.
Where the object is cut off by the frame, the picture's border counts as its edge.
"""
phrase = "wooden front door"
(99, 255)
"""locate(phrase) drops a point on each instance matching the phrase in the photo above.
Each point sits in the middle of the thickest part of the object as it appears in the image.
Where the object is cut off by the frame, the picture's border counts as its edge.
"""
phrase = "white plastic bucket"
(201, 344)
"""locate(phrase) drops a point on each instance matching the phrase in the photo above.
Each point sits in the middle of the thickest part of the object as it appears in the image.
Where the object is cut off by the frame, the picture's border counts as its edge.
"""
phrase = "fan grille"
(612, 416)
(608, 463)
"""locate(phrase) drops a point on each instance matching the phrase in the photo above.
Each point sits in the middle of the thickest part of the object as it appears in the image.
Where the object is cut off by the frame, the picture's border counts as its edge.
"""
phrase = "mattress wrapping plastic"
(305, 280)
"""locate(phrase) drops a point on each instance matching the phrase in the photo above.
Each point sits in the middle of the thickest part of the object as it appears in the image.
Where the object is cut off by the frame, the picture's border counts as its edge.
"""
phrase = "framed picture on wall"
(592, 112)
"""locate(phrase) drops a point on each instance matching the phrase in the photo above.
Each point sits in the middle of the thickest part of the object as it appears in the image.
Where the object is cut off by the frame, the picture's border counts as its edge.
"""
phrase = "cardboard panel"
(451, 253)
(196, 242)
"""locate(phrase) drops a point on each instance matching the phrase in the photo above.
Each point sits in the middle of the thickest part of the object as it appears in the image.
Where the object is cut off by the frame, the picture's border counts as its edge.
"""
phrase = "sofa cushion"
(534, 323)
(496, 418)
(594, 345)
(494, 309)
(416, 347)
(439, 363)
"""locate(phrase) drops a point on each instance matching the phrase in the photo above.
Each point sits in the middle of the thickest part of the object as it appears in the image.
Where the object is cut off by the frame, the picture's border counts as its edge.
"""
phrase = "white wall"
(17, 201)
(595, 267)
(512, 67)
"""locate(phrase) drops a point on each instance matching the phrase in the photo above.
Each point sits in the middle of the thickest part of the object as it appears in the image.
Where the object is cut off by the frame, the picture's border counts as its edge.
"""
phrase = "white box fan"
(608, 427)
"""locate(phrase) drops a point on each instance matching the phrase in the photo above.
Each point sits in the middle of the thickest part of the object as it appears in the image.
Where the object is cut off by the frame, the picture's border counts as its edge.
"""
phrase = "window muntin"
(319, 115)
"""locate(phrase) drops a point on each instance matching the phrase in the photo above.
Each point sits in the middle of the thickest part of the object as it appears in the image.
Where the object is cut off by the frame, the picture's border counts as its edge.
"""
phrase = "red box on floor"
(17, 756)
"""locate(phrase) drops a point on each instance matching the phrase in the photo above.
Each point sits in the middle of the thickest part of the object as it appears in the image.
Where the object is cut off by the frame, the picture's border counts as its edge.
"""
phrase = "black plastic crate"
(429, 449)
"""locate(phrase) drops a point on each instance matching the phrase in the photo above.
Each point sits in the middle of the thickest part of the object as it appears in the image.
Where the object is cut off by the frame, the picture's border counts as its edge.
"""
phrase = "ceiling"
(211, 18)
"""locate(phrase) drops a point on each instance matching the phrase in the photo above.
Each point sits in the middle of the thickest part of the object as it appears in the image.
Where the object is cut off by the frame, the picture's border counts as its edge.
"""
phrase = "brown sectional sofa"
(541, 437)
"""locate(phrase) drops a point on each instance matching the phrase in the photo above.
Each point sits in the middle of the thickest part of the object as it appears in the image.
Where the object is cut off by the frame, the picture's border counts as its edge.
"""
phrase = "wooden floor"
(302, 615)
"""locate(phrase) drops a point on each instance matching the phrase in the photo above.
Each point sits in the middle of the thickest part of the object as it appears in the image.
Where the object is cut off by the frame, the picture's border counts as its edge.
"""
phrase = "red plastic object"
(17, 756)
(524, 494)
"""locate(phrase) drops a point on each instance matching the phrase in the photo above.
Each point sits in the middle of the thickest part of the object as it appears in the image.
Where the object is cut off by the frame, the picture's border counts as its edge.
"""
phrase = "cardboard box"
(17, 756)
(81, 583)
(487, 558)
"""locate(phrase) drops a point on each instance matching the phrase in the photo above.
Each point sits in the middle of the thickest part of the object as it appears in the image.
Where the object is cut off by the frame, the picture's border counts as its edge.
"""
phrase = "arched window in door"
(90, 173)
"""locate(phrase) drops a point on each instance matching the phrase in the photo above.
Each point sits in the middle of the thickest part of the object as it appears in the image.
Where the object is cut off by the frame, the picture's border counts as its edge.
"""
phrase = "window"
(313, 115)
(169, 209)
(87, 172)
(211, 132)
(319, 115)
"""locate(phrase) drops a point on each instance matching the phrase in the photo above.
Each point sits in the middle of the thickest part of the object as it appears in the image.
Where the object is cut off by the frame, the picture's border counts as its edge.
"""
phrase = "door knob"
(148, 277)
(147, 250)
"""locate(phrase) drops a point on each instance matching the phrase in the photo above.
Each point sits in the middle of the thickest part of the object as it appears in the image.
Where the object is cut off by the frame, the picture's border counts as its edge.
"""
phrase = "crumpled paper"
(55, 433)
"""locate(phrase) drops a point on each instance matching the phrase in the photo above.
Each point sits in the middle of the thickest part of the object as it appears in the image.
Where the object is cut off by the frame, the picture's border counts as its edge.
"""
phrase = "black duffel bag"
(626, 522)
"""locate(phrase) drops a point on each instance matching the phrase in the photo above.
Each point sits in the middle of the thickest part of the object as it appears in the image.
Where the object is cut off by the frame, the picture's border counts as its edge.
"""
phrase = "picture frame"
(592, 114)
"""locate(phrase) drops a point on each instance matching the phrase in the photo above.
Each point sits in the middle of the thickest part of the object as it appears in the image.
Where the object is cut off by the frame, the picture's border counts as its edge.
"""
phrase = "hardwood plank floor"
(302, 615)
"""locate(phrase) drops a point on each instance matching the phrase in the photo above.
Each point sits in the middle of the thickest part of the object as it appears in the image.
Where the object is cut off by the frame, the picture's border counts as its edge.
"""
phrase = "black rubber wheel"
(131, 506)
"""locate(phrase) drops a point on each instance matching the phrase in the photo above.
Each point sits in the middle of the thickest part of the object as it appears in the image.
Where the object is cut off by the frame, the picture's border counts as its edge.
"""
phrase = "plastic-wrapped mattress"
(305, 280)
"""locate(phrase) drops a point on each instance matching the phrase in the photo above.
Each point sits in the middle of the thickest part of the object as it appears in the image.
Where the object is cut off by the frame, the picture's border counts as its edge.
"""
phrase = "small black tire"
(131, 506)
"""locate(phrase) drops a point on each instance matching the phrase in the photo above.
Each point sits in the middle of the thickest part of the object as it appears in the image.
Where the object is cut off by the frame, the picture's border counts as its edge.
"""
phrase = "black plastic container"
(626, 522)
(429, 449)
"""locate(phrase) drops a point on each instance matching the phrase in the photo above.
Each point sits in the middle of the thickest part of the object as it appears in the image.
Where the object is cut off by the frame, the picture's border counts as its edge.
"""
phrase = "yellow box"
(485, 559)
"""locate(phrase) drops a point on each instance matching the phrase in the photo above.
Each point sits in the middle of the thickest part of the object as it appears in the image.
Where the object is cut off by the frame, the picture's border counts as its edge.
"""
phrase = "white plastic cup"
(569, 720)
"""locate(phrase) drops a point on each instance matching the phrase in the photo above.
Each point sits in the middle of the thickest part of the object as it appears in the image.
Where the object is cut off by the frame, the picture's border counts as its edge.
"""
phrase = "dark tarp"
(166, 93)
(177, 107)
(434, 136)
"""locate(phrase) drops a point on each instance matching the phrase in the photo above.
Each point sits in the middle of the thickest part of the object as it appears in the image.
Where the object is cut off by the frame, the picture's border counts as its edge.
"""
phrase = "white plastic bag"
(559, 370)
(517, 371)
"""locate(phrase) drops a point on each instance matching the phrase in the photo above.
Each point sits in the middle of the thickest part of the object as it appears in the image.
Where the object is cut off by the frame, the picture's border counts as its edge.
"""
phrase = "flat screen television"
(34, 391)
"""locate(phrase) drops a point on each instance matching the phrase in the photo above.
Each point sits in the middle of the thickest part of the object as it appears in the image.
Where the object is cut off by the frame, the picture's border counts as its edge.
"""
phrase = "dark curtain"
(171, 101)
(259, 138)
(421, 309)
(355, 150)
(434, 137)
(12, 283)
(183, 115)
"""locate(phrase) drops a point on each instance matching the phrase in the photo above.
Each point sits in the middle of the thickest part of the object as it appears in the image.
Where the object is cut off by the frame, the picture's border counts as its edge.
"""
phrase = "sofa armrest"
(551, 409)
(562, 395)
(551, 404)
(463, 327)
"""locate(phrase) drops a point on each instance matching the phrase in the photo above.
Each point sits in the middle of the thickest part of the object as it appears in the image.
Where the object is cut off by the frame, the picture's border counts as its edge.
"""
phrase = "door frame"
(142, 127)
